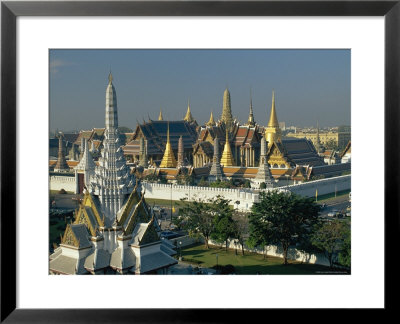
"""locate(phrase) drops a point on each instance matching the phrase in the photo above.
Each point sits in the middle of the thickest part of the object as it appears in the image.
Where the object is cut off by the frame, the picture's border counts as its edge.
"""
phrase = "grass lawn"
(250, 263)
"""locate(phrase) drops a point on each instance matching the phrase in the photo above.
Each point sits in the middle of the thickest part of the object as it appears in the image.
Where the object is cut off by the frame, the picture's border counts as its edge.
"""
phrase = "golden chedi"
(168, 160)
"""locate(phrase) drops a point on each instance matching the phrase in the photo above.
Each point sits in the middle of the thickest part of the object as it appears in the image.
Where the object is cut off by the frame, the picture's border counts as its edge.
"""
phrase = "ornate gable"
(89, 202)
(150, 235)
(276, 157)
(69, 237)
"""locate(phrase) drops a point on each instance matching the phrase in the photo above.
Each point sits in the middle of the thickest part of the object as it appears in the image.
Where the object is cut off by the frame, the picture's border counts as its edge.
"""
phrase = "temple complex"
(115, 231)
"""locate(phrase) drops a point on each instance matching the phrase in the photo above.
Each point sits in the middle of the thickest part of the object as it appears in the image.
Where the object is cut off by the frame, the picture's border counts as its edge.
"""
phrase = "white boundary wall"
(176, 192)
(324, 186)
(247, 197)
(63, 181)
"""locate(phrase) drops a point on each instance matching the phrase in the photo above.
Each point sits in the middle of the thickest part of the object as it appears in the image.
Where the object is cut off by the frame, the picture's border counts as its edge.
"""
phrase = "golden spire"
(168, 160)
(160, 117)
(250, 120)
(211, 122)
(226, 109)
(227, 158)
(273, 120)
(110, 77)
(188, 117)
(273, 132)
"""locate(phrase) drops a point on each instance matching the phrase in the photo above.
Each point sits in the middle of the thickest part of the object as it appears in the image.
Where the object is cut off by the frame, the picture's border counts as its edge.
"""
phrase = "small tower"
(216, 172)
(226, 109)
(188, 117)
(160, 116)
(168, 160)
(82, 147)
(86, 164)
(211, 122)
(181, 161)
(227, 157)
(264, 173)
(142, 154)
(250, 121)
(273, 132)
(61, 165)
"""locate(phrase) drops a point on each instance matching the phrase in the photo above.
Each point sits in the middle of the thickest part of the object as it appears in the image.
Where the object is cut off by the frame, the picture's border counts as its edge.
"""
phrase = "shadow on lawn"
(289, 269)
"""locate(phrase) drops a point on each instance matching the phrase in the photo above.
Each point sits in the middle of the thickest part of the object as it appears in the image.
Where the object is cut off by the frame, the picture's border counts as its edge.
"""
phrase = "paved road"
(339, 203)
(64, 201)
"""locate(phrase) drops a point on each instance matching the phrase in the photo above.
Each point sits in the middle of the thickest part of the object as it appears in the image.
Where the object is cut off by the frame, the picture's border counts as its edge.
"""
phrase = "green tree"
(123, 129)
(203, 182)
(224, 225)
(241, 227)
(199, 216)
(329, 237)
(263, 185)
(282, 218)
(345, 253)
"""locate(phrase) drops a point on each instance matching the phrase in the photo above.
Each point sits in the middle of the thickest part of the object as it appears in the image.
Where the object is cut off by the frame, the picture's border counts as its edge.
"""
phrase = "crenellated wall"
(66, 181)
(247, 197)
(324, 186)
(176, 192)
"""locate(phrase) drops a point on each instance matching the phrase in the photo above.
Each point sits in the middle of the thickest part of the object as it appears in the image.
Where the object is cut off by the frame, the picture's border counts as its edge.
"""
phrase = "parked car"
(339, 215)
(333, 213)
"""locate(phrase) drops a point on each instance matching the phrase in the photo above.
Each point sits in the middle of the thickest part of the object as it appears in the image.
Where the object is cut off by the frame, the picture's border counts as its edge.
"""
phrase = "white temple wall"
(63, 181)
(324, 186)
(246, 196)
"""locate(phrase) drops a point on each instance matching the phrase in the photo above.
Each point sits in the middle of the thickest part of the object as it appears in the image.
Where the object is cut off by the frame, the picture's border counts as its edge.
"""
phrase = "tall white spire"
(111, 105)
(113, 181)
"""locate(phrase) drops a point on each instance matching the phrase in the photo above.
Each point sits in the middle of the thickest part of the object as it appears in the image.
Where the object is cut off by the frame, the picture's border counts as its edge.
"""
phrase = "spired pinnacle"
(110, 78)
(226, 109)
(273, 120)
(188, 117)
(168, 160)
(250, 120)
(211, 122)
(227, 158)
(273, 132)
(160, 116)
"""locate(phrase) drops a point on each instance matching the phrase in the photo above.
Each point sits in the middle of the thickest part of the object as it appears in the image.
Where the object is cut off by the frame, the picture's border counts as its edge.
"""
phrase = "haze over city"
(309, 85)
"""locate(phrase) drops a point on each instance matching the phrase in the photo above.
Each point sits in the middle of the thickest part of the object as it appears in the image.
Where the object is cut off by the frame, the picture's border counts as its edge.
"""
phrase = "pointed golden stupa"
(273, 132)
(226, 109)
(160, 117)
(211, 122)
(227, 157)
(188, 117)
(168, 160)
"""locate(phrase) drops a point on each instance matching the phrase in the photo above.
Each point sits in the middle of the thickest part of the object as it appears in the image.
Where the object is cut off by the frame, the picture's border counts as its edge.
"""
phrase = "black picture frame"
(10, 10)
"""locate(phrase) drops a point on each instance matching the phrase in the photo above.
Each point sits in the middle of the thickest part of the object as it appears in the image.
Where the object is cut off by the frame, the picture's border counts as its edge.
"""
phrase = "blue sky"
(310, 85)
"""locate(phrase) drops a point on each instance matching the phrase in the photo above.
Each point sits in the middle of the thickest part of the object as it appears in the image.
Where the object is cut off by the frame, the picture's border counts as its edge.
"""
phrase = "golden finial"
(211, 122)
(227, 157)
(110, 77)
(273, 120)
(160, 116)
(188, 117)
(168, 160)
